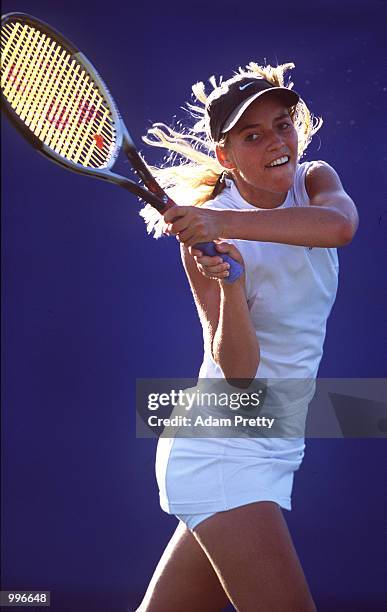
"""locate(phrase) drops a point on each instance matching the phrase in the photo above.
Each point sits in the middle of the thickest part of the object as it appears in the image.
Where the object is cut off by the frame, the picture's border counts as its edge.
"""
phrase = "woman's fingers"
(219, 274)
(212, 267)
(217, 269)
(195, 252)
(207, 260)
(230, 250)
(192, 225)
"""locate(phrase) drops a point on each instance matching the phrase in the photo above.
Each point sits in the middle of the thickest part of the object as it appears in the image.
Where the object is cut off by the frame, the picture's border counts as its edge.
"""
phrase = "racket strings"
(55, 97)
(51, 136)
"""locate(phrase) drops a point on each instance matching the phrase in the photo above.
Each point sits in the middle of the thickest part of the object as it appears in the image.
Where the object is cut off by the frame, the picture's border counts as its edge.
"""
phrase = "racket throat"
(162, 201)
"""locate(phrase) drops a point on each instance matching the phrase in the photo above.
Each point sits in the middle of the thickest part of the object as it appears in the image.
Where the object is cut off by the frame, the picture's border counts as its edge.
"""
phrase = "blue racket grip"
(236, 269)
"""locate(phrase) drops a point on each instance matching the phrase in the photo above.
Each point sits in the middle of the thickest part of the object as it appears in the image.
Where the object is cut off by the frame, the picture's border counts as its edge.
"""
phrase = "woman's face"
(265, 133)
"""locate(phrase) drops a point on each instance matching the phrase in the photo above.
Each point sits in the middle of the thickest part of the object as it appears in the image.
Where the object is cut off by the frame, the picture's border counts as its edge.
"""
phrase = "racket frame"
(155, 196)
(154, 193)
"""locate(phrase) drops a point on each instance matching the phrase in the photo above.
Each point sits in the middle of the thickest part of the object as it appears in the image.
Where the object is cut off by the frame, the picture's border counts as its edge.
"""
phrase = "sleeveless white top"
(290, 292)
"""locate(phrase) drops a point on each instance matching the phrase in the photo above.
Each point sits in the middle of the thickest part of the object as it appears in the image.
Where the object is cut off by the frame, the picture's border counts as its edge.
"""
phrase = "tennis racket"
(56, 99)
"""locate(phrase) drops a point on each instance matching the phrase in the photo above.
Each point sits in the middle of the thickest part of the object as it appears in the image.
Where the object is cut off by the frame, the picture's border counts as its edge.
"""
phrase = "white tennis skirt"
(198, 477)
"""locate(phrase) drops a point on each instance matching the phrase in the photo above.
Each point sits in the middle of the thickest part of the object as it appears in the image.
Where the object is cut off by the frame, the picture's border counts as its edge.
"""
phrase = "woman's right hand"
(214, 267)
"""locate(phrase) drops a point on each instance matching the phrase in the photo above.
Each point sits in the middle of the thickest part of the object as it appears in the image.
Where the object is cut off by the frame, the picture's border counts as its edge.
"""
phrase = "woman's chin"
(281, 177)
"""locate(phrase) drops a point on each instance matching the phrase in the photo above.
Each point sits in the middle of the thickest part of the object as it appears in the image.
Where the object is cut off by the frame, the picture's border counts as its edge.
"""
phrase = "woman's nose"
(276, 141)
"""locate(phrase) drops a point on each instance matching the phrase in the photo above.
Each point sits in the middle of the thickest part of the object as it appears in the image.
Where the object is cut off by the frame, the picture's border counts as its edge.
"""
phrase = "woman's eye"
(252, 137)
(284, 126)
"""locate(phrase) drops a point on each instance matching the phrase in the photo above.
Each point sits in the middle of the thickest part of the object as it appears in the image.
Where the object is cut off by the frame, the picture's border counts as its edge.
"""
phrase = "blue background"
(91, 303)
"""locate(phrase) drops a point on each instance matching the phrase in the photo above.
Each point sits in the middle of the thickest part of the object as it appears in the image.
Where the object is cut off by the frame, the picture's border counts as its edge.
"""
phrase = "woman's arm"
(331, 220)
(228, 331)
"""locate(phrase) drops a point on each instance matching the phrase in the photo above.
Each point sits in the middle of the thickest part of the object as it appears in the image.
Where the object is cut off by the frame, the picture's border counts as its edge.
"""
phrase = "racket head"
(55, 97)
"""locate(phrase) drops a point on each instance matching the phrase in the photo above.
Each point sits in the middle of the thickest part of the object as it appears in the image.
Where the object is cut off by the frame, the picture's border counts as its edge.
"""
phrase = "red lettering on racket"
(57, 115)
(14, 78)
(46, 67)
(88, 112)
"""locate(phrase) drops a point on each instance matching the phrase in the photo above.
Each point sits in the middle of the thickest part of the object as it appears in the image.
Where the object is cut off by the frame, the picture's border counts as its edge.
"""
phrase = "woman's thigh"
(251, 549)
(184, 579)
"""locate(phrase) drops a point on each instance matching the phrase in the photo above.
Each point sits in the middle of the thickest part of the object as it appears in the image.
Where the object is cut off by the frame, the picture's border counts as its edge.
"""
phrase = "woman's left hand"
(192, 225)
(214, 267)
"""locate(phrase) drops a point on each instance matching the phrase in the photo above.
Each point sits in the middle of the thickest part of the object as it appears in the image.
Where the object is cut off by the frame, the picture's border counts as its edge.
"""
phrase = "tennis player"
(241, 184)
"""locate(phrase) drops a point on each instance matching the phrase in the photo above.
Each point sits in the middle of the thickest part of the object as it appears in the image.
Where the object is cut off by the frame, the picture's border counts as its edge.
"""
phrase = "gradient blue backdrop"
(91, 303)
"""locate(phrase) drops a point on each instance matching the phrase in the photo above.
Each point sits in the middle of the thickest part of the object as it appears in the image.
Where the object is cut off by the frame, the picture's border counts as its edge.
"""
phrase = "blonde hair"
(191, 170)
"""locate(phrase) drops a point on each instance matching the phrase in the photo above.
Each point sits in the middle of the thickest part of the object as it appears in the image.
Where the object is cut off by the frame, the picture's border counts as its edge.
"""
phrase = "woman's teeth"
(279, 162)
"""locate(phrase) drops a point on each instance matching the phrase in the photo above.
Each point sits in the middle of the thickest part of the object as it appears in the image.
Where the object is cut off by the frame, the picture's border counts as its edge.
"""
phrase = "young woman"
(241, 184)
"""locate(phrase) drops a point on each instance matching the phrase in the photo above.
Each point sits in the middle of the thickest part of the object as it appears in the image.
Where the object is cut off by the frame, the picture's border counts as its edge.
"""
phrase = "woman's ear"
(224, 157)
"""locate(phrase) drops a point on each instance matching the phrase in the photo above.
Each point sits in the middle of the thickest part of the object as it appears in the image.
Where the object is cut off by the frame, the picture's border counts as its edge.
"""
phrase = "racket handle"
(236, 269)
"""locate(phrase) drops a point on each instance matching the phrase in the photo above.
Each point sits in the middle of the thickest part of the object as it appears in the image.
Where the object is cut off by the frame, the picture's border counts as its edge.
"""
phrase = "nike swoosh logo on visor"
(242, 87)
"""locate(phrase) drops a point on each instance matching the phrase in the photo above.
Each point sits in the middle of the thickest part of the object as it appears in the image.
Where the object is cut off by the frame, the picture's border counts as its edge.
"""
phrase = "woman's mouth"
(280, 161)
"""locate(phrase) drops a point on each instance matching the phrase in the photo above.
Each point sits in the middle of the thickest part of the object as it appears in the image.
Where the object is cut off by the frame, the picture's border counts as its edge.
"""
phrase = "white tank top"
(290, 292)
